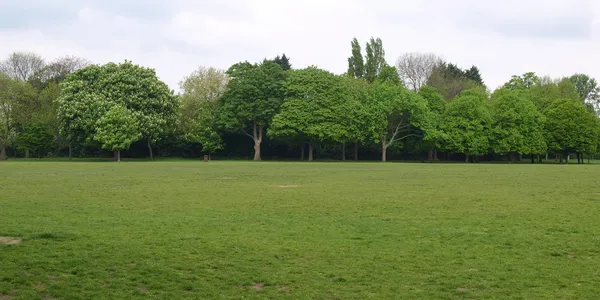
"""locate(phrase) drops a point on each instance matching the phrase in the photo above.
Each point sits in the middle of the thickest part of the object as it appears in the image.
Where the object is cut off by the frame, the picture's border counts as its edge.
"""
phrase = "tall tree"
(57, 70)
(415, 68)
(201, 92)
(517, 125)
(14, 94)
(466, 123)
(253, 97)
(22, 65)
(398, 114)
(449, 80)
(474, 75)
(375, 59)
(283, 61)
(437, 106)
(138, 89)
(356, 65)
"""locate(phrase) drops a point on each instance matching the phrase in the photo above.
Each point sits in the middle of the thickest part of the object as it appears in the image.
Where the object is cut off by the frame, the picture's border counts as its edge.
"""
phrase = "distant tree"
(283, 61)
(356, 65)
(57, 70)
(153, 105)
(449, 80)
(375, 59)
(14, 95)
(415, 68)
(466, 123)
(389, 74)
(253, 97)
(474, 75)
(201, 92)
(117, 129)
(22, 65)
(525, 81)
(437, 106)
(570, 128)
(588, 90)
(517, 125)
(35, 137)
(398, 114)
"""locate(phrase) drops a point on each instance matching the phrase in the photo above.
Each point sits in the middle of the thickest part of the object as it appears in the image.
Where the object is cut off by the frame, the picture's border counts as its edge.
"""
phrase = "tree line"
(422, 107)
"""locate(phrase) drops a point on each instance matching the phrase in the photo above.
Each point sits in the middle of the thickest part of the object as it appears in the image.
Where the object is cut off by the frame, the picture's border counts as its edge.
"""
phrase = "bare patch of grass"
(9, 240)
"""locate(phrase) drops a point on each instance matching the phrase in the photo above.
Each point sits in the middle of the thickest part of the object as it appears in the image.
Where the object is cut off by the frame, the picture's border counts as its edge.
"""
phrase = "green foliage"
(36, 138)
(525, 81)
(254, 94)
(586, 87)
(375, 59)
(117, 129)
(283, 61)
(389, 74)
(356, 65)
(436, 107)
(318, 107)
(449, 80)
(154, 107)
(570, 128)
(466, 123)
(474, 75)
(397, 113)
(15, 99)
(517, 126)
(201, 91)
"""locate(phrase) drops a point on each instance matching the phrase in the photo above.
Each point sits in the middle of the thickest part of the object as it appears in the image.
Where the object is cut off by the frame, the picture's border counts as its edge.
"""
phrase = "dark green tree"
(375, 59)
(474, 75)
(253, 96)
(356, 65)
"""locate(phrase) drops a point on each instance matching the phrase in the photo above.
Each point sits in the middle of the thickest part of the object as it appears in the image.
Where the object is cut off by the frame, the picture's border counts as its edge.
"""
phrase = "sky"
(503, 38)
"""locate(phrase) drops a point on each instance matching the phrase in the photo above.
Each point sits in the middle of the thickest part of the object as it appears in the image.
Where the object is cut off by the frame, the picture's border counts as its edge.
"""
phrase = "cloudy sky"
(550, 37)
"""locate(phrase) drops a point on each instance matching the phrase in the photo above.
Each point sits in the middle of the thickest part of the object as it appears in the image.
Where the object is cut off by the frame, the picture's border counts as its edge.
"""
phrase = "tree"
(375, 59)
(284, 62)
(466, 123)
(318, 107)
(253, 97)
(356, 65)
(450, 80)
(474, 75)
(35, 137)
(150, 101)
(22, 65)
(14, 94)
(517, 126)
(117, 129)
(436, 106)
(57, 70)
(587, 88)
(525, 81)
(570, 128)
(201, 92)
(397, 114)
(415, 68)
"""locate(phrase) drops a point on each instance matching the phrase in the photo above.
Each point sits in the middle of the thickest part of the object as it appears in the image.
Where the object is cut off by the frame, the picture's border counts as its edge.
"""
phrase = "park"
(324, 230)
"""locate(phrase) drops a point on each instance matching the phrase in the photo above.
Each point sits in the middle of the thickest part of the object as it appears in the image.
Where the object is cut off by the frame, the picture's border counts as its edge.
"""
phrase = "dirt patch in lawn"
(9, 240)
(289, 186)
(258, 286)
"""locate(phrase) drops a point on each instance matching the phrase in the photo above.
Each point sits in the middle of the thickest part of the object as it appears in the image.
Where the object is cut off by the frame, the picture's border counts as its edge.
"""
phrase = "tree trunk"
(532, 159)
(343, 151)
(546, 155)
(119, 155)
(435, 155)
(567, 157)
(150, 151)
(302, 152)
(383, 149)
(3, 155)
(257, 131)
(356, 150)
(70, 150)
(430, 156)
(310, 151)
(467, 158)
(27, 153)
(115, 155)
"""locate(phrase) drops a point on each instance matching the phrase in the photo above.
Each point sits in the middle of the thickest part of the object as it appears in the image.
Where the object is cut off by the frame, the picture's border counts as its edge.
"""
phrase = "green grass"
(222, 230)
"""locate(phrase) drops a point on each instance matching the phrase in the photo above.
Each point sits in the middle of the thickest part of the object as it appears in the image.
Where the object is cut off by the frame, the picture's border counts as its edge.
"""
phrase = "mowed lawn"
(232, 230)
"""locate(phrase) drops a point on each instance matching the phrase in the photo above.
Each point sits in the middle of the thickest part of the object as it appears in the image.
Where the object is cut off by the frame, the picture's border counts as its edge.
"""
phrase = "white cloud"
(502, 38)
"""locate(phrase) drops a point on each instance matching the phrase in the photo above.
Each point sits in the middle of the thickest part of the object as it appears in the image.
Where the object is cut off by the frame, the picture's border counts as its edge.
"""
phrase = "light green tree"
(14, 96)
(117, 129)
(466, 123)
(436, 106)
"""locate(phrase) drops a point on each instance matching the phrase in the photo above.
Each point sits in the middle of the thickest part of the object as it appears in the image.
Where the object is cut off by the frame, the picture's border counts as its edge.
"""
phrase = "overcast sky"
(549, 37)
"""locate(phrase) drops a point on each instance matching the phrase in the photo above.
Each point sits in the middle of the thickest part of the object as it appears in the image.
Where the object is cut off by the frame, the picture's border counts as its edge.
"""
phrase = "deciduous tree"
(22, 65)
(117, 129)
(14, 94)
(356, 64)
(415, 68)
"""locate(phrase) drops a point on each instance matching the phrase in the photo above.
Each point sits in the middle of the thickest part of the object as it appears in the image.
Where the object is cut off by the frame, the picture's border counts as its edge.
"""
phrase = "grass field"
(232, 230)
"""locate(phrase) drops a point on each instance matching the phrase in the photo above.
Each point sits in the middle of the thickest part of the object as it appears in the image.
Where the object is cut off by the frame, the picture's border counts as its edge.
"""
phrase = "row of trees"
(423, 104)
